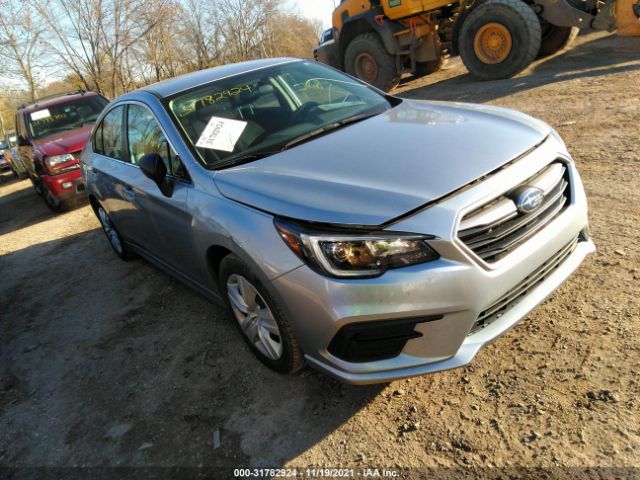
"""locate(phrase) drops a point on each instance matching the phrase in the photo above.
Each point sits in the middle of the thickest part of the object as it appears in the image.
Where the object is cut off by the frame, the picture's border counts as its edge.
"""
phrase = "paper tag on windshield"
(40, 114)
(221, 134)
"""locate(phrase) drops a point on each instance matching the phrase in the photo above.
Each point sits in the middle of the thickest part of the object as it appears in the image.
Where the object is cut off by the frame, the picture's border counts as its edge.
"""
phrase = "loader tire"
(555, 38)
(499, 39)
(367, 59)
(427, 68)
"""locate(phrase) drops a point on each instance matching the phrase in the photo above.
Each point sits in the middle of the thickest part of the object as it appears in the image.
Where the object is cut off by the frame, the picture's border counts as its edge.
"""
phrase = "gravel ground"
(106, 363)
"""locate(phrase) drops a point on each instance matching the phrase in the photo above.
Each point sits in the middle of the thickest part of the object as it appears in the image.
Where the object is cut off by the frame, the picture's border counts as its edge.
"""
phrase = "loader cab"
(327, 51)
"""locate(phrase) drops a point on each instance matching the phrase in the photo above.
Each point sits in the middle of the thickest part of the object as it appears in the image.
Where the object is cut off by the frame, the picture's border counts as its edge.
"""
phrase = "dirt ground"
(113, 364)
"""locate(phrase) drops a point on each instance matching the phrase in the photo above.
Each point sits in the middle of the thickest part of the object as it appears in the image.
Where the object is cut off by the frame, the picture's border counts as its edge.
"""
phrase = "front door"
(171, 238)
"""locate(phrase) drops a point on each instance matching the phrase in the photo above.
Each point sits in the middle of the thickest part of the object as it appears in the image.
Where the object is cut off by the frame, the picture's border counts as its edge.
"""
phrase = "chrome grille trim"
(496, 212)
(511, 298)
(549, 177)
(497, 228)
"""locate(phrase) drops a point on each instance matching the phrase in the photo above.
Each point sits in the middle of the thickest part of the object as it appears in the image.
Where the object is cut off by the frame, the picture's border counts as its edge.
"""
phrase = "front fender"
(243, 230)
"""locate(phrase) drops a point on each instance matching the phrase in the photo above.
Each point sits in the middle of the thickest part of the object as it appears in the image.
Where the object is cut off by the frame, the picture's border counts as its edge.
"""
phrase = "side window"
(98, 144)
(326, 36)
(107, 139)
(145, 136)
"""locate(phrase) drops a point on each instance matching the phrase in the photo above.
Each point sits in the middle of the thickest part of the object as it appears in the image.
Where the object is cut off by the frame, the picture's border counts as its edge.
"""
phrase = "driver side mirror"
(153, 167)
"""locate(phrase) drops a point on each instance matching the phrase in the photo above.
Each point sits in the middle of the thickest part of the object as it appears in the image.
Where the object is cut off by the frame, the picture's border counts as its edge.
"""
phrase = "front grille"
(511, 298)
(497, 228)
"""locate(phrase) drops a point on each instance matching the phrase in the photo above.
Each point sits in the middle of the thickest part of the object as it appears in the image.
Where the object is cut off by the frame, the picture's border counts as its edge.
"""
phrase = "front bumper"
(66, 185)
(455, 289)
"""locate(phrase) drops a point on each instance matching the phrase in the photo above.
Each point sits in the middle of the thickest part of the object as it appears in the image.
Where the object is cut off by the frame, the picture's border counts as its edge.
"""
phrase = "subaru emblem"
(529, 199)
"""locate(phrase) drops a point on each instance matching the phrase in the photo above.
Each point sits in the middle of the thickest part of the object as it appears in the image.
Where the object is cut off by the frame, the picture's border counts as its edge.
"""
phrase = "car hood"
(63, 142)
(373, 171)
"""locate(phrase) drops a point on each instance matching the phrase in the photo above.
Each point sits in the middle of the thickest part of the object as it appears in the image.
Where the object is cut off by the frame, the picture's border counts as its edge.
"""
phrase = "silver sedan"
(369, 236)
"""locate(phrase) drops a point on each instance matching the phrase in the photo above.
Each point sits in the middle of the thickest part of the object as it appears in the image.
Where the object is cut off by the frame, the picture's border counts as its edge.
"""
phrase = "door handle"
(128, 193)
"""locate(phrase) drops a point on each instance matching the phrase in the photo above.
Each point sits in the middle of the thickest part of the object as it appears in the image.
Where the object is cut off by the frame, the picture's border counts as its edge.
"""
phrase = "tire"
(55, 204)
(367, 59)
(113, 236)
(37, 186)
(516, 29)
(555, 38)
(279, 350)
(427, 68)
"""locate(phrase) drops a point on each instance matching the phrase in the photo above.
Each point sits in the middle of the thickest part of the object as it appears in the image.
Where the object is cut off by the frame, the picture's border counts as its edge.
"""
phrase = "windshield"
(65, 116)
(264, 111)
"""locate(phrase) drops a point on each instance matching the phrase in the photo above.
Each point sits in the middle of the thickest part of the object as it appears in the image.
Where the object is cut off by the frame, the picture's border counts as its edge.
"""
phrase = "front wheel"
(37, 186)
(261, 321)
(54, 203)
(367, 59)
(499, 39)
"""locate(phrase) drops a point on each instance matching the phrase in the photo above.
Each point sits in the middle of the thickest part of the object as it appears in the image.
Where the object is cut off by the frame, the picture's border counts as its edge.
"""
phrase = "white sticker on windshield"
(40, 114)
(221, 134)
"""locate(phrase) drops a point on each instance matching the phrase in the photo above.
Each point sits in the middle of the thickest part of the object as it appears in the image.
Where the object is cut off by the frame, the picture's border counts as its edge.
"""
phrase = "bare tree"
(78, 43)
(294, 36)
(159, 55)
(10, 98)
(113, 46)
(244, 26)
(20, 44)
(95, 37)
(200, 34)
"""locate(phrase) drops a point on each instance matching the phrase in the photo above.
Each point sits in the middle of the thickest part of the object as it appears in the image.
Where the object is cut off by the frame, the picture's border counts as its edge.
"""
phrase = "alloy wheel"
(254, 316)
(110, 231)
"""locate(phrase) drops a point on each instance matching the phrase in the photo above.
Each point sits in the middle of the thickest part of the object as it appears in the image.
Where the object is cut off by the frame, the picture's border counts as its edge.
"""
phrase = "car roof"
(57, 100)
(167, 88)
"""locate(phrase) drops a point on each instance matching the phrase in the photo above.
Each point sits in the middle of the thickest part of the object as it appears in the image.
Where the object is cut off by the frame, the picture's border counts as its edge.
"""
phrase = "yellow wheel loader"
(379, 40)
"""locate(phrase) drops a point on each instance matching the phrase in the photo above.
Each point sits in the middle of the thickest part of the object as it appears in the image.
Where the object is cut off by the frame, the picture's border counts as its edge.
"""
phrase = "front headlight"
(354, 255)
(58, 159)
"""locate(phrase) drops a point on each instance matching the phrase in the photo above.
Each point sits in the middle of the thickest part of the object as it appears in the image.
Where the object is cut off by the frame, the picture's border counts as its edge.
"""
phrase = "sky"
(320, 9)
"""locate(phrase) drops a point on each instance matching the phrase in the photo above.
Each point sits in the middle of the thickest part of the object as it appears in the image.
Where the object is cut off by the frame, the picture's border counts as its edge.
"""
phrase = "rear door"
(117, 182)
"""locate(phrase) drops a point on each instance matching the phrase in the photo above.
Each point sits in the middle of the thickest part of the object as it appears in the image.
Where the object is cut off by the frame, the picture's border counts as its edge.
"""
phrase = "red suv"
(51, 133)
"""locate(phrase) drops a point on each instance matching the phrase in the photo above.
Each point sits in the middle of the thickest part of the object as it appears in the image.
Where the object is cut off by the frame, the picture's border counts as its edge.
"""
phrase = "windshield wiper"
(249, 157)
(329, 128)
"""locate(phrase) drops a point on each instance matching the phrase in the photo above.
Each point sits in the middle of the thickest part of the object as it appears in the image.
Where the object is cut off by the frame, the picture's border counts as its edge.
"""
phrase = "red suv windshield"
(64, 116)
